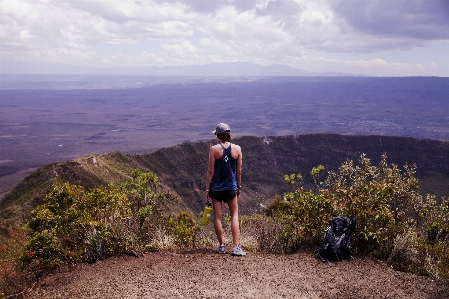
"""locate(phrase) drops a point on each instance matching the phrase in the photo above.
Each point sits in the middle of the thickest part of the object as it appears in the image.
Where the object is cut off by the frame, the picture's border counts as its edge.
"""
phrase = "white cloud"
(219, 51)
(181, 50)
(433, 66)
(168, 30)
(188, 32)
(120, 57)
(149, 58)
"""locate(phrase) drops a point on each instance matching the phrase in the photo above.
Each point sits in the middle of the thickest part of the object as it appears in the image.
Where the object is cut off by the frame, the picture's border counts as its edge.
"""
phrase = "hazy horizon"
(225, 69)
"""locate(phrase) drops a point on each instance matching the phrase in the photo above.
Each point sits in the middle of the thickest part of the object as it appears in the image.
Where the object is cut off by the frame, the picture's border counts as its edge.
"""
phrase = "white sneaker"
(222, 249)
(237, 251)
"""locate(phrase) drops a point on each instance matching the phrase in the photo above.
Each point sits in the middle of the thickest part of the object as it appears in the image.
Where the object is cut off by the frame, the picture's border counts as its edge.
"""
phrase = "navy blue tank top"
(224, 172)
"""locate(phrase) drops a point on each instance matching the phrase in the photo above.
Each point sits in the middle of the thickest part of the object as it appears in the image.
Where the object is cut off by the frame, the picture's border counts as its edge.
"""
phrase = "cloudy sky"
(372, 37)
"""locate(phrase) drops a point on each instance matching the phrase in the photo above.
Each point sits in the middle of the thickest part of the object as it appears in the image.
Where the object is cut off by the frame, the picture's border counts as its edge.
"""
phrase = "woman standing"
(223, 183)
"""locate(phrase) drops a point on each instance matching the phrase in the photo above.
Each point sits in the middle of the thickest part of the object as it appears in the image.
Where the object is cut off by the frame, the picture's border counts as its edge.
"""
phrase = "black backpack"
(336, 240)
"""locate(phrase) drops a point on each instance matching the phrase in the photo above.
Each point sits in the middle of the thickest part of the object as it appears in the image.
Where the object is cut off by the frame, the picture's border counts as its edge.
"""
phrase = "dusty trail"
(205, 274)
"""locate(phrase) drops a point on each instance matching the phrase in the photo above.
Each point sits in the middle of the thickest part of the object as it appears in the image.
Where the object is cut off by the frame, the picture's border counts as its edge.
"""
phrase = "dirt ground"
(206, 274)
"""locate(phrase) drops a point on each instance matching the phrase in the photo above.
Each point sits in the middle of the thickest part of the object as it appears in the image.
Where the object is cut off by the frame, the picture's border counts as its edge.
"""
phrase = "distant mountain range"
(214, 69)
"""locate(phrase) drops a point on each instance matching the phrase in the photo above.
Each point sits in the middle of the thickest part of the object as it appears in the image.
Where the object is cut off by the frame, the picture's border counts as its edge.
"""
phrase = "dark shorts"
(223, 196)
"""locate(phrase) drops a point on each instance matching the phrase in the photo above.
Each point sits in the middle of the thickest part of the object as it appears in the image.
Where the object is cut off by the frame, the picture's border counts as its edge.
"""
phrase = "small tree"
(146, 200)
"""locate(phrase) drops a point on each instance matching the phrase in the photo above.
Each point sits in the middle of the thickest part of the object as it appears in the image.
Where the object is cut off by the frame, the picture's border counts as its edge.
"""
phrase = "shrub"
(301, 215)
(261, 233)
(434, 230)
(10, 248)
(435, 220)
(394, 221)
(380, 198)
(63, 229)
(183, 229)
(75, 224)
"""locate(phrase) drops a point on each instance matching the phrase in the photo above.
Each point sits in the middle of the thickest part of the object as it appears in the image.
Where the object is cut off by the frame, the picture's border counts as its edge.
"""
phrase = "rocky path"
(205, 274)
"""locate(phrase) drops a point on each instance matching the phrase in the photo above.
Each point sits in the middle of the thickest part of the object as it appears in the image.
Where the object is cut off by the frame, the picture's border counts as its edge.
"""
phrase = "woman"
(223, 183)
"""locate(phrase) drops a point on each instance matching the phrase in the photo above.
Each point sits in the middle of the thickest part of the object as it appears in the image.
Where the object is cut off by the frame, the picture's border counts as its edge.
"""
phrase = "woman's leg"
(217, 205)
(234, 211)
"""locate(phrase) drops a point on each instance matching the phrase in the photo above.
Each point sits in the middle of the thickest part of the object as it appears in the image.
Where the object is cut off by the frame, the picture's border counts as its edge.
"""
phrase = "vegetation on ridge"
(76, 224)
(182, 169)
(394, 222)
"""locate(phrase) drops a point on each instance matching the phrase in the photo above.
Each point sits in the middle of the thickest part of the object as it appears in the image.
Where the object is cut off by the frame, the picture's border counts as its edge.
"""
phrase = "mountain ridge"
(211, 69)
(182, 168)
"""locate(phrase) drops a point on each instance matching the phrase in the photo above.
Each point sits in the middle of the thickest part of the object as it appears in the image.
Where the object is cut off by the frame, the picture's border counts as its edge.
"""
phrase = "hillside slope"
(265, 160)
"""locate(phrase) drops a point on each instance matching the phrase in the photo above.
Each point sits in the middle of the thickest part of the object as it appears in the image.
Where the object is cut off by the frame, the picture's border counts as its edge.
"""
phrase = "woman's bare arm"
(210, 169)
(239, 168)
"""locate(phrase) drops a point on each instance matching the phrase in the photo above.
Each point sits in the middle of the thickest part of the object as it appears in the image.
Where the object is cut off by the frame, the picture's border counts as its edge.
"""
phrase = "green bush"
(382, 199)
(302, 216)
(183, 229)
(387, 206)
(61, 230)
(75, 224)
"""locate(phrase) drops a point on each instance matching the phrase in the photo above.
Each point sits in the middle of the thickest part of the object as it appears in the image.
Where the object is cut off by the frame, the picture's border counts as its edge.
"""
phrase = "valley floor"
(205, 274)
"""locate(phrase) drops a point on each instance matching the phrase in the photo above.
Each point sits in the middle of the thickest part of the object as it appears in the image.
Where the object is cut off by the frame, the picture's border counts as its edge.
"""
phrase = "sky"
(370, 37)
